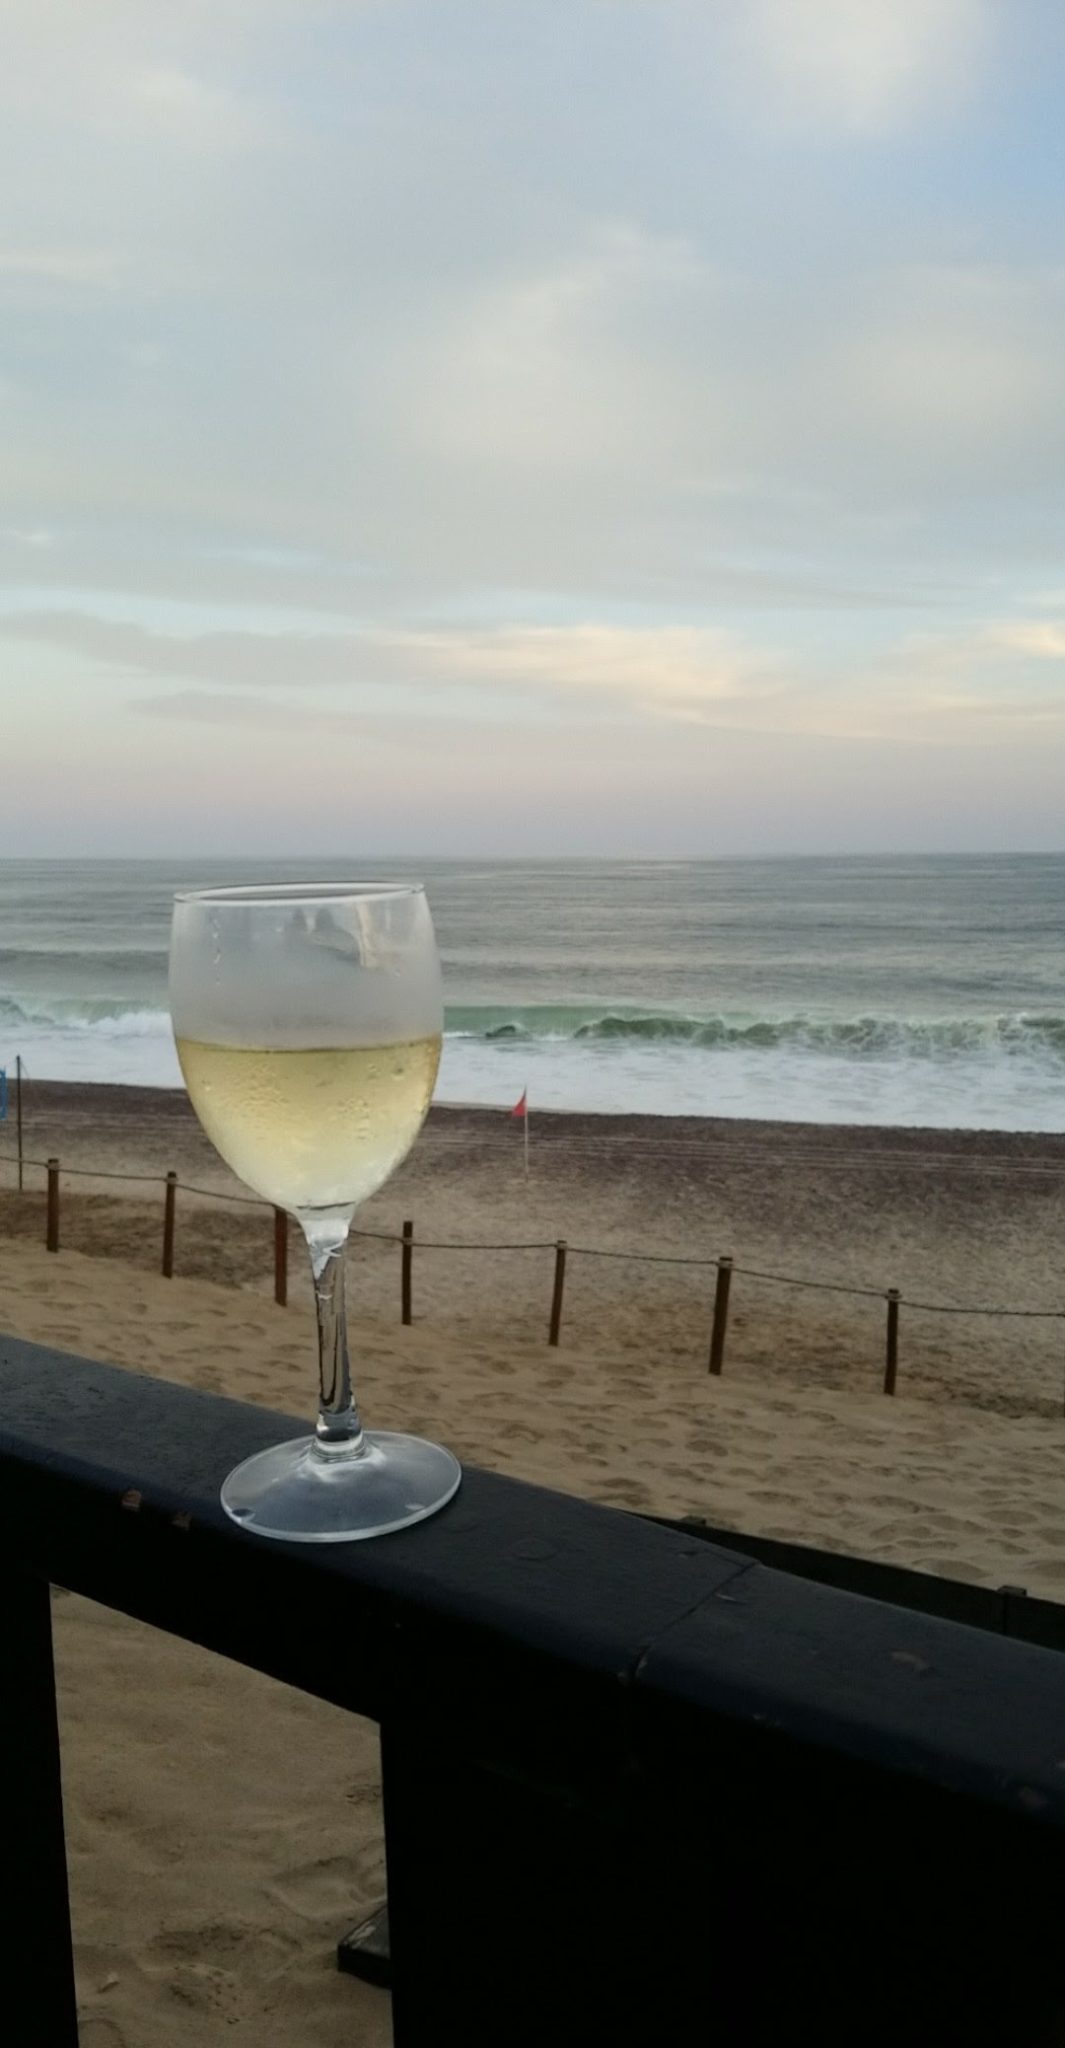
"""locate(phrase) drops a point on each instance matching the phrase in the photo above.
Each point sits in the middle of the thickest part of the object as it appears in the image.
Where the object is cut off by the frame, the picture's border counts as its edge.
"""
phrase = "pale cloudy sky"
(515, 426)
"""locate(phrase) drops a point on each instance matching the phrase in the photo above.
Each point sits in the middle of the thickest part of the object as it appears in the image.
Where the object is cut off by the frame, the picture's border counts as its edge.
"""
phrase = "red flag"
(521, 1108)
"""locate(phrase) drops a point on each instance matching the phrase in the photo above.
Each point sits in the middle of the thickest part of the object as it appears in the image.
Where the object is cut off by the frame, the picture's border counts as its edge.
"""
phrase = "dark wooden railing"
(637, 1787)
(1002, 1610)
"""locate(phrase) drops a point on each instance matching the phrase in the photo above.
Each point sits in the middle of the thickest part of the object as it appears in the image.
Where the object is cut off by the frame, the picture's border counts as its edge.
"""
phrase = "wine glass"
(308, 1022)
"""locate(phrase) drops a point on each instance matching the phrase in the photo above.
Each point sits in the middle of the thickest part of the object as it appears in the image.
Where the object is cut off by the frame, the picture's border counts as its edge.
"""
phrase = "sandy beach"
(223, 1832)
(958, 1218)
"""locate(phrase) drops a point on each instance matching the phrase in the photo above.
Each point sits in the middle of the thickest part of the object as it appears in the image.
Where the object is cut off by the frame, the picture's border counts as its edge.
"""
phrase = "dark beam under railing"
(638, 1788)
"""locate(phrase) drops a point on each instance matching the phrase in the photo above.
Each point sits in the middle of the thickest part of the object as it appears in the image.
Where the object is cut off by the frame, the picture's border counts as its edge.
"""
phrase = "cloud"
(28, 537)
(569, 368)
(864, 66)
(666, 669)
(80, 266)
(672, 670)
(263, 659)
(267, 714)
(194, 111)
(108, 63)
(955, 372)
(1039, 639)
(974, 687)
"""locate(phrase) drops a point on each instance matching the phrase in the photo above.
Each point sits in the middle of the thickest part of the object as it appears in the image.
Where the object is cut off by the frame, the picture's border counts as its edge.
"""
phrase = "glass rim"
(298, 892)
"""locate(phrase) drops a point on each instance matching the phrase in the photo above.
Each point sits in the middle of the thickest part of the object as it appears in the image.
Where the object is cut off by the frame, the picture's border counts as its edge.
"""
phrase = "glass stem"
(338, 1430)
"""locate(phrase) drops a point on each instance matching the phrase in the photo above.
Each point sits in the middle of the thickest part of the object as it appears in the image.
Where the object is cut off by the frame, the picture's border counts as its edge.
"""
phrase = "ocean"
(897, 991)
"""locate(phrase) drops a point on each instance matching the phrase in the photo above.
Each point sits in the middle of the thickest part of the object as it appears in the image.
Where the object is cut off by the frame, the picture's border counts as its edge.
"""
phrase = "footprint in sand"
(1047, 1567)
(950, 1568)
(331, 1884)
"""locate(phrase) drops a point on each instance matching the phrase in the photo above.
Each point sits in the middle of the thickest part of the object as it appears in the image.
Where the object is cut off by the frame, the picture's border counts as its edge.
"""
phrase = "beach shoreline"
(55, 1108)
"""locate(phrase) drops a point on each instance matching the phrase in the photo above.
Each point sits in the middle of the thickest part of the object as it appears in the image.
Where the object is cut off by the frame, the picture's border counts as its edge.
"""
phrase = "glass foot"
(305, 1495)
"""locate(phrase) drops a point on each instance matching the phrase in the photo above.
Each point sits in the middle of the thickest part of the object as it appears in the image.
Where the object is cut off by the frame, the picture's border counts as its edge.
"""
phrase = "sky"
(511, 427)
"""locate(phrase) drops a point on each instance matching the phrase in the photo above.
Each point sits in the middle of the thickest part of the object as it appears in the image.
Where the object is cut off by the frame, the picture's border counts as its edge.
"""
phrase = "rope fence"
(724, 1267)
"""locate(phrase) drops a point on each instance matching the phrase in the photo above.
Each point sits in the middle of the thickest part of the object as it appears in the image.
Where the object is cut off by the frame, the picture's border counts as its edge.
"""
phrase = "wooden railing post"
(169, 1215)
(39, 1999)
(405, 1276)
(281, 1257)
(717, 1334)
(556, 1294)
(52, 1215)
(891, 1361)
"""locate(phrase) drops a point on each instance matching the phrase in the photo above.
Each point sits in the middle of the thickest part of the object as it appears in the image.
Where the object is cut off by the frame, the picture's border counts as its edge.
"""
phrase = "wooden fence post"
(406, 1265)
(281, 1257)
(52, 1223)
(556, 1294)
(891, 1363)
(169, 1211)
(717, 1334)
(18, 1113)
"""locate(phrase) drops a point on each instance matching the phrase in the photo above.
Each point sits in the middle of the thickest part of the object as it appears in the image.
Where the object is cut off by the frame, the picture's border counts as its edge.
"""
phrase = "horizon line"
(552, 859)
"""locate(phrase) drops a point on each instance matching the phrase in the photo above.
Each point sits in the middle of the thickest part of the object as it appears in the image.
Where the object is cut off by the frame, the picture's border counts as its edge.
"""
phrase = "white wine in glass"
(308, 1129)
(308, 1022)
